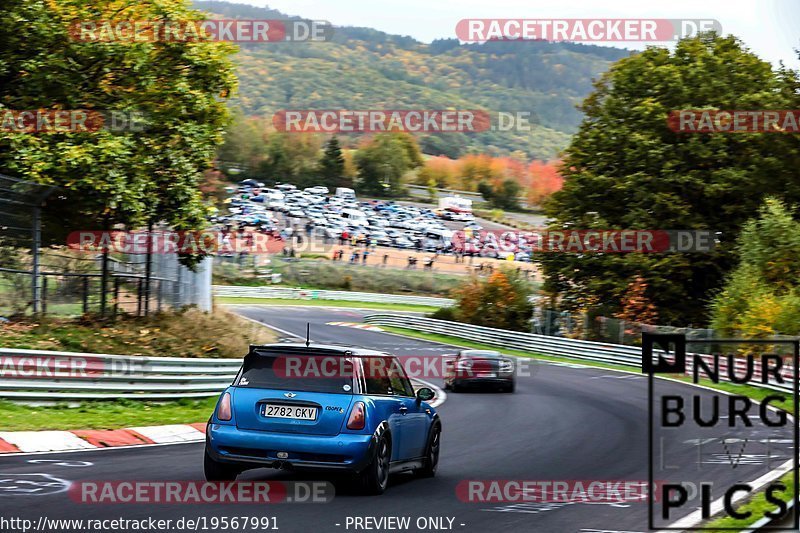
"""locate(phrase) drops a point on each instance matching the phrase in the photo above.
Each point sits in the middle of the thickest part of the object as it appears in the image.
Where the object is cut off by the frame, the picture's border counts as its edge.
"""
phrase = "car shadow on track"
(345, 485)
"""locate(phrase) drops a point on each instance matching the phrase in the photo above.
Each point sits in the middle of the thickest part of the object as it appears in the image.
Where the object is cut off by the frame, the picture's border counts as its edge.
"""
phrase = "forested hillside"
(364, 68)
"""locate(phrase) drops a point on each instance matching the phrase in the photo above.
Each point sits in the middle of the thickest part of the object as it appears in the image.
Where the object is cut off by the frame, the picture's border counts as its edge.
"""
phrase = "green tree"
(626, 169)
(504, 196)
(114, 177)
(245, 145)
(291, 158)
(761, 296)
(331, 165)
(276, 167)
(384, 161)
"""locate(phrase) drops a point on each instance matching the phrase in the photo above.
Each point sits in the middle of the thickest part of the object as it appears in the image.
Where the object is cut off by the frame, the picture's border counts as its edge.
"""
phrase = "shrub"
(761, 297)
(445, 313)
(501, 301)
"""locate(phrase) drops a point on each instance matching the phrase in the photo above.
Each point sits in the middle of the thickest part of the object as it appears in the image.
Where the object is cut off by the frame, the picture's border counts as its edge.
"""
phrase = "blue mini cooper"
(323, 407)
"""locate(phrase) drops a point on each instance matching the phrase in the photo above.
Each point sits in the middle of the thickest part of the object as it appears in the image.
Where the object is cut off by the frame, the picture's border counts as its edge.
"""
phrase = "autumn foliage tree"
(636, 305)
(536, 180)
(545, 179)
(500, 301)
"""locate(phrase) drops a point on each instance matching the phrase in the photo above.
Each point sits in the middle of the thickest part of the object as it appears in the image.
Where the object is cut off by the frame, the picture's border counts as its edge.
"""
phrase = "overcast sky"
(771, 28)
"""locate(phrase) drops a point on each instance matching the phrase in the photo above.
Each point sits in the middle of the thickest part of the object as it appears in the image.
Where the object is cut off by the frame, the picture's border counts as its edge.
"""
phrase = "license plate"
(294, 412)
(487, 375)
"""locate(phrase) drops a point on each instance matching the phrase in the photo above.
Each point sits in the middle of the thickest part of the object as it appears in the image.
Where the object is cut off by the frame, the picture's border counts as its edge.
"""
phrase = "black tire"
(510, 387)
(216, 471)
(446, 386)
(431, 461)
(375, 477)
(455, 387)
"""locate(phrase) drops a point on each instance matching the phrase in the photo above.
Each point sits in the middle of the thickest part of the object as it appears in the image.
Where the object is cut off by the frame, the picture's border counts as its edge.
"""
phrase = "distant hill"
(362, 68)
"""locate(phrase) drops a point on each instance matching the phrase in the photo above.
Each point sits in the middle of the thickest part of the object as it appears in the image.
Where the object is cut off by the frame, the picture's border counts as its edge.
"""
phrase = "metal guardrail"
(577, 349)
(232, 291)
(36, 375)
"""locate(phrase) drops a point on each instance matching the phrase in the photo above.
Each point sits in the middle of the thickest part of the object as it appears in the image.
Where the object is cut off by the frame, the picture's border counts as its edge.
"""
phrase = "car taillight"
(224, 409)
(357, 418)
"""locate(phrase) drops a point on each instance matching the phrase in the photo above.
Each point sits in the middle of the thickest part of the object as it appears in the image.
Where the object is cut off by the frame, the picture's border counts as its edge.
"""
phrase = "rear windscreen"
(307, 373)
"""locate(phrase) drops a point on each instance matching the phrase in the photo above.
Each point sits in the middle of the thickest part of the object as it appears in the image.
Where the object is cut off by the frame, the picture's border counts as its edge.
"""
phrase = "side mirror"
(425, 394)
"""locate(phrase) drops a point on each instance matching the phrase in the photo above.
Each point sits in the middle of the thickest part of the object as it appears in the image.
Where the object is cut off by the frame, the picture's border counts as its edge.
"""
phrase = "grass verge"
(341, 275)
(188, 333)
(325, 303)
(103, 415)
(756, 505)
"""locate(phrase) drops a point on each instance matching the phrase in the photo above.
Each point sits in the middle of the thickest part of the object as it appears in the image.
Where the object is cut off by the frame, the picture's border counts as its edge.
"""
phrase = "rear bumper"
(484, 381)
(344, 452)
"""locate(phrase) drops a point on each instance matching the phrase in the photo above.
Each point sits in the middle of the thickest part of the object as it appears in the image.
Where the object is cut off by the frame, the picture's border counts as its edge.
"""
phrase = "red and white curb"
(357, 325)
(92, 439)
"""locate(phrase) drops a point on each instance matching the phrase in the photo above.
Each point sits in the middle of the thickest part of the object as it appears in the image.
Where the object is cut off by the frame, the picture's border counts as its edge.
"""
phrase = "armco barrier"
(42, 376)
(579, 350)
(34, 375)
(231, 291)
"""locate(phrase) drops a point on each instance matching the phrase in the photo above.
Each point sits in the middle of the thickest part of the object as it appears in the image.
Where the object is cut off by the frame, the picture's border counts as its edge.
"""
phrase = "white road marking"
(36, 484)
(611, 376)
(62, 462)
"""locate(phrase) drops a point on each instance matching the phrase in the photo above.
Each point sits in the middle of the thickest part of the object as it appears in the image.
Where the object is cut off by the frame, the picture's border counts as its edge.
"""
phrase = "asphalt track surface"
(564, 422)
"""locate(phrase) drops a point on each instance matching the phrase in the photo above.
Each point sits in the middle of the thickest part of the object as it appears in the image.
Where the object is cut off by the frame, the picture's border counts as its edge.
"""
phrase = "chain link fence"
(557, 323)
(54, 279)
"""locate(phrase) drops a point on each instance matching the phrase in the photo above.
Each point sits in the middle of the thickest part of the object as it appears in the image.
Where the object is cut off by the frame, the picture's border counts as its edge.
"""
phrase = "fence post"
(116, 296)
(85, 294)
(139, 298)
(44, 295)
(104, 282)
(148, 268)
(37, 238)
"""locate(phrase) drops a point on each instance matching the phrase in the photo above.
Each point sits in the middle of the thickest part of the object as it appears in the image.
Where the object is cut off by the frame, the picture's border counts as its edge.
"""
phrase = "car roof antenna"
(308, 333)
